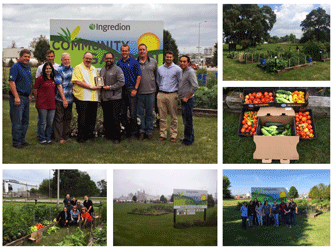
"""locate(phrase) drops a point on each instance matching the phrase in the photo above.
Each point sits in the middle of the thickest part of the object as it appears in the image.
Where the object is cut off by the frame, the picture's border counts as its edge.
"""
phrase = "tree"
(134, 198)
(40, 50)
(316, 23)
(170, 44)
(226, 186)
(293, 193)
(314, 193)
(74, 182)
(211, 202)
(102, 185)
(44, 187)
(33, 191)
(13, 44)
(171, 199)
(35, 40)
(215, 55)
(247, 24)
(163, 199)
(322, 190)
(327, 193)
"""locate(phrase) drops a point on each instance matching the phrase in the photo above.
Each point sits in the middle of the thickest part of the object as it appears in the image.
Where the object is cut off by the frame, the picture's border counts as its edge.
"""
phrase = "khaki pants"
(168, 103)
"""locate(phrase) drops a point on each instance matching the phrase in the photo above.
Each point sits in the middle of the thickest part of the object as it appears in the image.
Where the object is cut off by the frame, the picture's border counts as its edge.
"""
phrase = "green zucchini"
(283, 91)
(278, 124)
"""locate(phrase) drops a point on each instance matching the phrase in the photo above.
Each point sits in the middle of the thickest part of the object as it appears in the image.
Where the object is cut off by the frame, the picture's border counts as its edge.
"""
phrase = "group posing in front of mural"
(130, 84)
(260, 214)
(75, 213)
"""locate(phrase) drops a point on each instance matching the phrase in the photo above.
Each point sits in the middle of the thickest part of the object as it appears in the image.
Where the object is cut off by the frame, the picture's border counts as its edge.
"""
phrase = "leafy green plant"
(206, 98)
(100, 236)
(77, 239)
(314, 48)
(271, 66)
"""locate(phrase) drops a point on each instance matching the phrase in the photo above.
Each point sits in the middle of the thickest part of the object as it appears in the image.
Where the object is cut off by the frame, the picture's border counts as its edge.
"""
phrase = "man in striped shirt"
(64, 100)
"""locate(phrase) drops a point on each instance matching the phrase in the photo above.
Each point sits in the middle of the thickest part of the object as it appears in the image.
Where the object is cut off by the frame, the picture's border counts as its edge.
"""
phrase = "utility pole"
(58, 188)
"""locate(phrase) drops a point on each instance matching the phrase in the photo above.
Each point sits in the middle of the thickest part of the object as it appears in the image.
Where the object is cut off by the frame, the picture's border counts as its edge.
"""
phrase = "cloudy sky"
(290, 16)
(158, 182)
(303, 179)
(36, 176)
(22, 23)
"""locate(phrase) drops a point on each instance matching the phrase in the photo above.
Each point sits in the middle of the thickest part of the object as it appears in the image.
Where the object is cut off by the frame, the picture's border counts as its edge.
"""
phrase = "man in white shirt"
(50, 58)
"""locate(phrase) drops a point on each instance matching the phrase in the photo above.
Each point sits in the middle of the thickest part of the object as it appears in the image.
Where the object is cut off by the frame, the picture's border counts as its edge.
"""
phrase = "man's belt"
(167, 92)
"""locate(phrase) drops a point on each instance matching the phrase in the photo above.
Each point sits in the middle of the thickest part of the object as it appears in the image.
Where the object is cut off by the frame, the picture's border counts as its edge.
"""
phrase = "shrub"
(206, 98)
(271, 67)
(104, 212)
(201, 71)
(313, 48)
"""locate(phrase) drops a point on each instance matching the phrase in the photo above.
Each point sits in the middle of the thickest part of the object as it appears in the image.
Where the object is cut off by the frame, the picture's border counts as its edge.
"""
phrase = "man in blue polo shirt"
(132, 73)
(19, 98)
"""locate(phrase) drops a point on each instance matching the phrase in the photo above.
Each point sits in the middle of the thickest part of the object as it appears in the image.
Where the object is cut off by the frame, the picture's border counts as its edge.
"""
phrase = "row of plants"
(154, 209)
(20, 221)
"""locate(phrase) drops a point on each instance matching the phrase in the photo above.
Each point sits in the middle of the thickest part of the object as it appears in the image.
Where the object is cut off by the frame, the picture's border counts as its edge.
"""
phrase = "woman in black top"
(74, 201)
(255, 219)
(287, 212)
(88, 204)
(64, 217)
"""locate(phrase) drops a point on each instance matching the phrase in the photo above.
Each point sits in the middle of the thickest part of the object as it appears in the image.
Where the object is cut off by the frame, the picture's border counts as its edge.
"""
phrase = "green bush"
(313, 48)
(206, 98)
(104, 212)
(201, 71)
(280, 64)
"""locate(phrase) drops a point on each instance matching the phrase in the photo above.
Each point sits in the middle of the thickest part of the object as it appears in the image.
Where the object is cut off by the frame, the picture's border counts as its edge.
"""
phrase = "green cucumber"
(278, 124)
(264, 132)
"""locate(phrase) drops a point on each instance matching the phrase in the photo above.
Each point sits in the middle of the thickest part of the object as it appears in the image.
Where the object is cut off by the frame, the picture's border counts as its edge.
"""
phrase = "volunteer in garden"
(282, 205)
(255, 218)
(266, 213)
(111, 95)
(276, 211)
(67, 198)
(86, 97)
(168, 78)
(132, 73)
(188, 85)
(44, 91)
(244, 214)
(64, 217)
(19, 98)
(293, 208)
(259, 211)
(146, 92)
(287, 212)
(251, 211)
(64, 100)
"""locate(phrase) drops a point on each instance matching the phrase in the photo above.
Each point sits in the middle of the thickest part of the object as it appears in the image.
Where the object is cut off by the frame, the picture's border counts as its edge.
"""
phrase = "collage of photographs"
(138, 92)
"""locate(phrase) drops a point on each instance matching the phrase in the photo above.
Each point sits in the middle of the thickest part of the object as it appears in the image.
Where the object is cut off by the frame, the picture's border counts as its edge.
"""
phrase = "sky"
(162, 182)
(290, 16)
(303, 179)
(182, 21)
(36, 176)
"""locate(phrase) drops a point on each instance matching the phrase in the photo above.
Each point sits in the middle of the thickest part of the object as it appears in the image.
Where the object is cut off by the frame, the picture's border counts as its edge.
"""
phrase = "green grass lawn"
(142, 230)
(238, 149)
(308, 232)
(204, 149)
(236, 71)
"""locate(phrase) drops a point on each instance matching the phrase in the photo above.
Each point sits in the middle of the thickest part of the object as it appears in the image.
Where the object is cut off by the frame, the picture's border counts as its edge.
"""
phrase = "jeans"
(131, 127)
(19, 116)
(259, 219)
(244, 222)
(293, 218)
(287, 219)
(45, 117)
(276, 219)
(255, 218)
(146, 103)
(250, 220)
(111, 116)
(266, 220)
(187, 110)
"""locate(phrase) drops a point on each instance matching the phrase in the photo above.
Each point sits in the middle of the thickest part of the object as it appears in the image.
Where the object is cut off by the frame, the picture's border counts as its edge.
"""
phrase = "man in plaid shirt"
(64, 100)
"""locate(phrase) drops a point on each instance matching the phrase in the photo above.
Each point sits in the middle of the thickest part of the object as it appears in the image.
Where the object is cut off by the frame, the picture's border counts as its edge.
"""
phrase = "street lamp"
(199, 42)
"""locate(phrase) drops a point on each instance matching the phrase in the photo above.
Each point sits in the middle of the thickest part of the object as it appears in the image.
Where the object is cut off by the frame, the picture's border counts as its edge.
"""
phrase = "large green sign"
(100, 36)
(184, 198)
(269, 194)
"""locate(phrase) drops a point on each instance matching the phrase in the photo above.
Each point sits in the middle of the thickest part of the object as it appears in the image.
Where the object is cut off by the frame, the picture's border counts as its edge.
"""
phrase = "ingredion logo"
(92, 26)
(105, 27)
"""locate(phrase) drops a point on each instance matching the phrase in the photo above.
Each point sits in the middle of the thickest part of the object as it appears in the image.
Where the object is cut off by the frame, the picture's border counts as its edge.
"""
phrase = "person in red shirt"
(85, 218)
(282, 205)
(44, 91)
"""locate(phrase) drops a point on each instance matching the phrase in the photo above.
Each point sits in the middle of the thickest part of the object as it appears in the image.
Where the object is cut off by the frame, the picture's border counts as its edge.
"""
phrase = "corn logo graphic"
(150, 40)
(203, 197)
(92, 26)
(70, 36)
(283, 194)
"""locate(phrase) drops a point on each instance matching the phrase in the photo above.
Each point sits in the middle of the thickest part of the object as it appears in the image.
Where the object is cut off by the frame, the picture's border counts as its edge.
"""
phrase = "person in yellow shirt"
(86, 95)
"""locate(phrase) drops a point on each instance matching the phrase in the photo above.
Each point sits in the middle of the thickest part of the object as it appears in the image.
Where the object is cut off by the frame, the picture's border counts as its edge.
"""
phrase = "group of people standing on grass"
(75, 213)
(260, 214)
(130, 84)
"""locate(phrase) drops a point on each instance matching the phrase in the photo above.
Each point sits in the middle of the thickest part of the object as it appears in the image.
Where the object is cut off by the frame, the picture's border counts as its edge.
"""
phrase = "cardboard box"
(283, 148)
(306, 97)
(36, 236)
